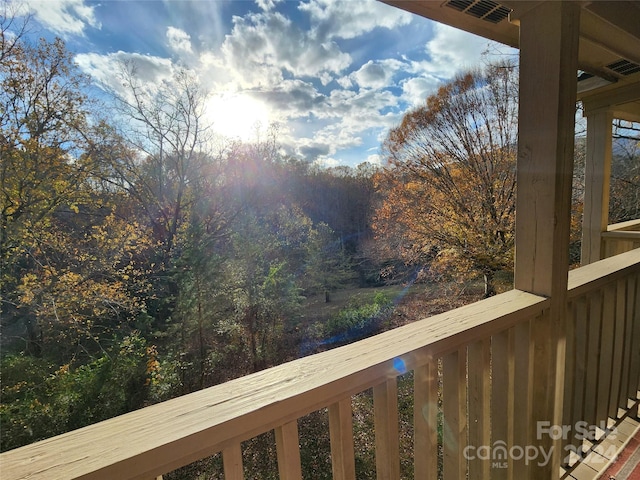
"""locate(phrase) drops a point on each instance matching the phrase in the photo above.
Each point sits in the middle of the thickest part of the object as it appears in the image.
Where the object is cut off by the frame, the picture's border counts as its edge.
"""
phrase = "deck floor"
(627, 465)
(612, 457)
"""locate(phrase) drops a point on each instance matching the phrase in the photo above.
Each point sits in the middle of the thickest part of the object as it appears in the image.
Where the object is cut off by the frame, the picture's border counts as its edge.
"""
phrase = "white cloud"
(326, 78)
(371, 75)
(64, 17)
(270, 39)
(345, 82)
(327, 162)
(375, 159)
(350, 19)
(452, 50)
(267, 5)
(301, 72)
(416, 90)
(106, 69)
(344, 118)
(376, 74)
(361, 108)
(179, 40)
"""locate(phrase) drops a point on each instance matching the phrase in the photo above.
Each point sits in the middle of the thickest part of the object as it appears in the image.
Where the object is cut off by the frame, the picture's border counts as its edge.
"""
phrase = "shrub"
(358, 320)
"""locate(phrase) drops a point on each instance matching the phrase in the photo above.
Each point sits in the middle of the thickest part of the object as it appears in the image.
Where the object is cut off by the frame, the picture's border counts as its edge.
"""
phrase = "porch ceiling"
(609, 51)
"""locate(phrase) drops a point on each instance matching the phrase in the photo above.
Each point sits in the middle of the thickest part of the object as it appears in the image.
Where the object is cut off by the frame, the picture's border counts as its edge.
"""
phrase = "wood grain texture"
(385, 406)
(341, 435)
(232, 461)
(479, 409)
(597, 177)
(165, 436)
(595, 275)
(288, 448)
(454, 419)
(425, 419)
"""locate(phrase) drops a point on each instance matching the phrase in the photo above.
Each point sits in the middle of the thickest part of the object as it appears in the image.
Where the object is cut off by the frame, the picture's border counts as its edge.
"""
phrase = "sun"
(237, 116)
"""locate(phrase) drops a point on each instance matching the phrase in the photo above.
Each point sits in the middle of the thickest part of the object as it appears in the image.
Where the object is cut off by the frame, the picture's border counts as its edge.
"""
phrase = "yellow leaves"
(27, 288)
(83, 287)
(12, 389)
(153, 366)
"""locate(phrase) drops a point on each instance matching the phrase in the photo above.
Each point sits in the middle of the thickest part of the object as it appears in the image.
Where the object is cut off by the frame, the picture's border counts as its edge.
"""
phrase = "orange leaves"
(449, 187)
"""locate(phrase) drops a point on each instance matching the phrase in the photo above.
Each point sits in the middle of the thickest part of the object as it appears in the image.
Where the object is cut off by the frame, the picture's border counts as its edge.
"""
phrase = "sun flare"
(237, 116)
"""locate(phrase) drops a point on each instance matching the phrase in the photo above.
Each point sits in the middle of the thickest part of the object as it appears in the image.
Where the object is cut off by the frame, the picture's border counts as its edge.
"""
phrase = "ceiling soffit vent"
(487, 10)
(624, 67)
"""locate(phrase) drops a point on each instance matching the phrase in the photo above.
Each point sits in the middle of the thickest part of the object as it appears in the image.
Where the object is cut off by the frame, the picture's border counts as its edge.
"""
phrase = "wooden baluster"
(479, 407)
(341, 434)
(454, 401)
(615, 401)
(288, 449)
(500, 403)
(385, 407)
(634, 371)
(606, 354)
(580, 374)
(523, 431)
(570, 375)
(425, 420)
(629, 347)
(232, 462)
(593, 353)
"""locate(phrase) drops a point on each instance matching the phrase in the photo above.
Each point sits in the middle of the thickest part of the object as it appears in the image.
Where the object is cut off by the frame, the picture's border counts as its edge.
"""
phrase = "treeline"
(141, 266)
(145, 258)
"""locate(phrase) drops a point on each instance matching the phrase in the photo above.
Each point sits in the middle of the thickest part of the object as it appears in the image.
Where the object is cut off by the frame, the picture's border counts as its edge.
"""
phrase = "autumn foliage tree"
(449, 187)
(141, 259)
(624, 201)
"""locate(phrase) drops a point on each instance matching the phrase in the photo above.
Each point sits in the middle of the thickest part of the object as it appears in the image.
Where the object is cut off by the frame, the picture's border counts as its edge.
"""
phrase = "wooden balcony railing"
(602, 349)
(473, 395)
(621, 237)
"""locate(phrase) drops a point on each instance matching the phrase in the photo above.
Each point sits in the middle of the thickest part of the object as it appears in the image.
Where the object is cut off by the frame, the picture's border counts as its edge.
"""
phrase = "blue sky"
(334, 75)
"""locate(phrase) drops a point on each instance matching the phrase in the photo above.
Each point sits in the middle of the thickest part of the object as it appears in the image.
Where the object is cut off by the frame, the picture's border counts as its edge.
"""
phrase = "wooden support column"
(548, 69)
(596, 184)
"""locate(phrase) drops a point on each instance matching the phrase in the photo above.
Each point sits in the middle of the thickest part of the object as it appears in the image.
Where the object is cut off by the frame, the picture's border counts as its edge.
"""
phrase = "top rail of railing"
(596, 274)
(165, 436)
(630, 225)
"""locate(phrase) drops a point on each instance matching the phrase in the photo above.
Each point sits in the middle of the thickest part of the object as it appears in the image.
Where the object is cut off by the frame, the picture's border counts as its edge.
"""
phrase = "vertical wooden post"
(454, 402)
(501, 404)
(629, 346)
(548, 69)
(607, 336)
(618, 348)
(341, 434)
(385, 412)
(597, 176)
(634, 365)
(232, 462)
(593, 356)
(582, 354)
(288, 449)
(523, 393)
(479, 399)
(425, 420)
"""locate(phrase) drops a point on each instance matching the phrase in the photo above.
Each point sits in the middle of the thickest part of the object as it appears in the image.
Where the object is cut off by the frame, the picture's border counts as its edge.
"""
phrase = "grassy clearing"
(410, 303)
